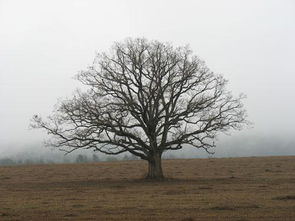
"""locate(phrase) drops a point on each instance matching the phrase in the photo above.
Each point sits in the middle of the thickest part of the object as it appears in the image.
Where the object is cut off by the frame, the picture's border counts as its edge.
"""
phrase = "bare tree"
(145, 97)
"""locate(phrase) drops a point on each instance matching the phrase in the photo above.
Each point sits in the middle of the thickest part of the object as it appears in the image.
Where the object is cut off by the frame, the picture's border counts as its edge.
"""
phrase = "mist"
(43, 44)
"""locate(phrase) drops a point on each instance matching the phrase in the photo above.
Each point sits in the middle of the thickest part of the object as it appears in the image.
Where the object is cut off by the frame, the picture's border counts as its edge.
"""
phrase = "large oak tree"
(145, 97)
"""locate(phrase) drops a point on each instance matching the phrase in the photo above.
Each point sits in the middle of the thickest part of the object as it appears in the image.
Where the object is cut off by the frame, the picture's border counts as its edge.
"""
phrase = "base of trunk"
(155, 171)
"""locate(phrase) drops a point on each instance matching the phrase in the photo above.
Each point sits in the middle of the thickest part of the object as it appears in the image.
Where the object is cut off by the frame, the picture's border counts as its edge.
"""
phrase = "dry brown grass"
(199, 189)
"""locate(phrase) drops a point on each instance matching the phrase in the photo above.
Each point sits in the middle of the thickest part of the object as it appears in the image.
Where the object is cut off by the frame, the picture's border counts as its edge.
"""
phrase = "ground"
(196, 189)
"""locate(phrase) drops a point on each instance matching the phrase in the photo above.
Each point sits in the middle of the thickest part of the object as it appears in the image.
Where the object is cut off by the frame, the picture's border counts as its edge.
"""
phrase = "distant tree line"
(80, 158)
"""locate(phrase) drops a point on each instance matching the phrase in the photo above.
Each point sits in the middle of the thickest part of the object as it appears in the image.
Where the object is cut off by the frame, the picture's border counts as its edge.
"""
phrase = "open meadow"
(258, 188)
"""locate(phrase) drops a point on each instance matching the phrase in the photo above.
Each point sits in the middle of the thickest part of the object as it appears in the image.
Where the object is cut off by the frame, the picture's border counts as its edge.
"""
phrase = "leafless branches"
(145, 97)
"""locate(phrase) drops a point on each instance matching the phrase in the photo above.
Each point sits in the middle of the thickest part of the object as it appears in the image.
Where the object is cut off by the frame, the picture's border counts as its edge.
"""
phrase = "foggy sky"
(43, 44)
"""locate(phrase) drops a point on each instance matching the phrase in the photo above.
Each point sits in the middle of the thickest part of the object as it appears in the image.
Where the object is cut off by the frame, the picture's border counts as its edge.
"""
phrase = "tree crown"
(145, 97)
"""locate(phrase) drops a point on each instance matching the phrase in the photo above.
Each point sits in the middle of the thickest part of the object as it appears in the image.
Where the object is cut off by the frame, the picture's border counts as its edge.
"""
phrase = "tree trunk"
(155, 167)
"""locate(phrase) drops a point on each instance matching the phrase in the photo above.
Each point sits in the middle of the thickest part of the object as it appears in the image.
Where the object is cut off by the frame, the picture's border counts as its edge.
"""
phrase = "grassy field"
(198, 189)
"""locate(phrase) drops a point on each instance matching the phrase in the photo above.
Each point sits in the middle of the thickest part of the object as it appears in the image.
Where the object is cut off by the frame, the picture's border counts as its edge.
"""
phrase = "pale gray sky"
(43, 44)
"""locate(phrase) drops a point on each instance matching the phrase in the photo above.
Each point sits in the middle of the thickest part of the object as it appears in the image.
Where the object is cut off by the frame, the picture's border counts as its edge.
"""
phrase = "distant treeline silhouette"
(80, 158)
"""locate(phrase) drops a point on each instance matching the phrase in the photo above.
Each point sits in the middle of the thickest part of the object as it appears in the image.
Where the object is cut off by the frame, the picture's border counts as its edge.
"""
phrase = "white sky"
(43, 44)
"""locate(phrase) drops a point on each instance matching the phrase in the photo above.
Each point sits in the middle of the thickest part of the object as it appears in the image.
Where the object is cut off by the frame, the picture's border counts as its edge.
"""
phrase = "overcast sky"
(43, 44)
